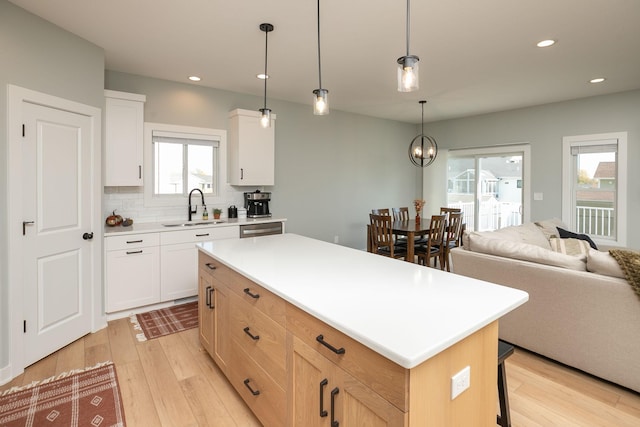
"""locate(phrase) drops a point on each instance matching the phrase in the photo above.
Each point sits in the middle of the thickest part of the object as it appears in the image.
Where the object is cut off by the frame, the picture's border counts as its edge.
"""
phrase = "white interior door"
(57, 197)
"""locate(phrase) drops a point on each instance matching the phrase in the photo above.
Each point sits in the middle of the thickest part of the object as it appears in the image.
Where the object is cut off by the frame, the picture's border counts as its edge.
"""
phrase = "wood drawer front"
(269, 350)
(258, 297)
(215, 268)
(270, 405)
(199, 235)
(385, 377)
(130, 241)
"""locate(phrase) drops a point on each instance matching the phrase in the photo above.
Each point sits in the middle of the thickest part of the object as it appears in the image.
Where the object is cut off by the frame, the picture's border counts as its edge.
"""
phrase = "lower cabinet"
(213, 315)
(244, 328)
(149, 268)
(179, 259)
(323, 394)
(132, 271)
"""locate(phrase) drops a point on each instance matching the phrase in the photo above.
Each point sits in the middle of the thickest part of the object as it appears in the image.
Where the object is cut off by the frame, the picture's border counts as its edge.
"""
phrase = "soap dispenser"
(205, 214)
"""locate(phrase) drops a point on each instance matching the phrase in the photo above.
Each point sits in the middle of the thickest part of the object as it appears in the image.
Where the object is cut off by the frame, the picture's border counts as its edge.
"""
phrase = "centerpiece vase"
(417, 217)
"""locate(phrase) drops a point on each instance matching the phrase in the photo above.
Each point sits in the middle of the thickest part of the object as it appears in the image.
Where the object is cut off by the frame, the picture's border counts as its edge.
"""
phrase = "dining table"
(410, 228)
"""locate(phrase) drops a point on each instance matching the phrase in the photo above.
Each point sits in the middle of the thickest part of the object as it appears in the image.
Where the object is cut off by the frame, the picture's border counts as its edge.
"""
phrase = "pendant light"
(320, 96)
(265, 113)
(408, 65)
(423, 149)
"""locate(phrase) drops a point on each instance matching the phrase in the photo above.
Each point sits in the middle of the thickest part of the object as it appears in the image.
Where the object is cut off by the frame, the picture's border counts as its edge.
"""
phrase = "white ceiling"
(476, 56)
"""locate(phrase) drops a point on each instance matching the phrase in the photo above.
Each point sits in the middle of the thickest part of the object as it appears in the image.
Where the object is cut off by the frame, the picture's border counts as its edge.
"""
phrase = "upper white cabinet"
(251, 154)
(124, 122)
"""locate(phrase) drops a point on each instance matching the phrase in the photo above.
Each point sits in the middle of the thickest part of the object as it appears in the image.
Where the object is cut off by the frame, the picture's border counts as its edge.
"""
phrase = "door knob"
(87, 236)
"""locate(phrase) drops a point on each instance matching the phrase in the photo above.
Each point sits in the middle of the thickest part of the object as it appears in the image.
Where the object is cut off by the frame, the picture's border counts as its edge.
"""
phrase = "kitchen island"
(308, 331)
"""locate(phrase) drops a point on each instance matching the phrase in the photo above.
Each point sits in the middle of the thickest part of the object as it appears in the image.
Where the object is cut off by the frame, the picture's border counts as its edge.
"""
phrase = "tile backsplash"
(129, 202)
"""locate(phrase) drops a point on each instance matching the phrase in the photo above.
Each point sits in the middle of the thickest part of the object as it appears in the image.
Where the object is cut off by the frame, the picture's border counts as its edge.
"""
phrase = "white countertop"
(406, 312)
(154, 227)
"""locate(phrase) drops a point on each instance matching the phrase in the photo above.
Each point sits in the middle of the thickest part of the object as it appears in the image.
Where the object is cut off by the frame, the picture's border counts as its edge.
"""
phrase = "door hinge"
(23, 130)
(24, 326)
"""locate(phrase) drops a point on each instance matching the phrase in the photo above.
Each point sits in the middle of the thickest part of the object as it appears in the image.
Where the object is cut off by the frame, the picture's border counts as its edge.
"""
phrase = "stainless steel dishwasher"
(263, 229)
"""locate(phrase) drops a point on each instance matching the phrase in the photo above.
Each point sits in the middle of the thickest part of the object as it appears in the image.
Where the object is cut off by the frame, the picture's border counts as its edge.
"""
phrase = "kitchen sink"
(191, 224)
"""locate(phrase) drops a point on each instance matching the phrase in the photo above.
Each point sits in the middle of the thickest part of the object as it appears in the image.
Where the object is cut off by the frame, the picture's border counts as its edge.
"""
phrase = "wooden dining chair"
(384, 211)
(400, 214)
(444, 210)
(382, 238)
(434, 248)
(451, 236)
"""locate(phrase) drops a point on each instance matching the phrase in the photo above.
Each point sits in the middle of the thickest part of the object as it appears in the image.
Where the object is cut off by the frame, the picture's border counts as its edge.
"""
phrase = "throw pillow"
(603, 263)
(565, 234)
(573, 247)
(550, 227)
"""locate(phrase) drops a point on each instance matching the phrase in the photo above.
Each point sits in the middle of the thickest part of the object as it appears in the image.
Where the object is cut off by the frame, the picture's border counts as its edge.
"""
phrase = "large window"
(594, 186)
(179, 159)
(489, 185)
(183, 162)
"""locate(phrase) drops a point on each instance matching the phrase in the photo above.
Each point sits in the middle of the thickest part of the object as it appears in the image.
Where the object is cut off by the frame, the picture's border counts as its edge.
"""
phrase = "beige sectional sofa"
(581, 311)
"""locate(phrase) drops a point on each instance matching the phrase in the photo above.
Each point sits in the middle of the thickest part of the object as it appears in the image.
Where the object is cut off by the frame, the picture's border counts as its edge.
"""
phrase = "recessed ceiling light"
(546, 43)
(597, 80)
(262, 76)
(194, 78)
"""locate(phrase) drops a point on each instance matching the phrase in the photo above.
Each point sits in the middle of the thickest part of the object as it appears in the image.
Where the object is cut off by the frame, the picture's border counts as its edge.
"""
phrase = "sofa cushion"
(603, 263)
(575, 247)
(564, 234)
(479, 242)
(549, 227)
(526, 233)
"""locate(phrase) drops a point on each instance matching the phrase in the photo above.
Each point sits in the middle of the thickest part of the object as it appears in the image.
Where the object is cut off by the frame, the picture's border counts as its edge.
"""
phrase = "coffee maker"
(257, 204)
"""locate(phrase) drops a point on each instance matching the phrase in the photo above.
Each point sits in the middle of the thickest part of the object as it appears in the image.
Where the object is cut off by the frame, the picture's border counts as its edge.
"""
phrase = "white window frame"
(150, 200)
(568, 204)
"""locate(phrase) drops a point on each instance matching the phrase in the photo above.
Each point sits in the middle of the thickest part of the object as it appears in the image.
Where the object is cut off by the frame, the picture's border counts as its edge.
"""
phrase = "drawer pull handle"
(211, 266)
(207, 297)
(254, 392)
(202, 235)
(321, 340)
(323, 412)
(248, 292)
(334, 422)
(134, 252)
(210, 291)
(253, 337)
(134, 241)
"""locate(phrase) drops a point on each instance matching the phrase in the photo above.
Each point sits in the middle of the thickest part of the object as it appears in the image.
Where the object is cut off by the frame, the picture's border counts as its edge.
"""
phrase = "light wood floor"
(172, 382)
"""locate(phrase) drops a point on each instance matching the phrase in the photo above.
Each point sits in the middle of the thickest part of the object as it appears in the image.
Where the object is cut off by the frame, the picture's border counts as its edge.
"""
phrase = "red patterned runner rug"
(88, 397)
(165, 321)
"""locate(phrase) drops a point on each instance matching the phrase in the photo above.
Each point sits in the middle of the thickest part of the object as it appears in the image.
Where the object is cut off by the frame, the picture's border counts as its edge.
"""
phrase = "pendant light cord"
(408, 24)
(266, 76)
(319, 63)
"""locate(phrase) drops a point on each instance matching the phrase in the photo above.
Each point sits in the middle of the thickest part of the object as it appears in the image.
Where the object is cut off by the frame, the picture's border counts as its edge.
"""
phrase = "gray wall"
(544, 127)
(330, 170)
(39, 56)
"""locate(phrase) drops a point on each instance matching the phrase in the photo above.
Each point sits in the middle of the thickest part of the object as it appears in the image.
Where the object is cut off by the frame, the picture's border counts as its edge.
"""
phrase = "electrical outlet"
(336, 239)
(460, 382)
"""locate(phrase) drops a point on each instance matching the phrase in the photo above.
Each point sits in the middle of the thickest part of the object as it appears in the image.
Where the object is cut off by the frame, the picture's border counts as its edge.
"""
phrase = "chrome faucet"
(195, 210)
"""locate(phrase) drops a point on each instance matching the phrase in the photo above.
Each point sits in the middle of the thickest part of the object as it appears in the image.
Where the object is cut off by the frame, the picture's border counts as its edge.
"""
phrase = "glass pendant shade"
(320, 102)
(408, 79)
(265, 117)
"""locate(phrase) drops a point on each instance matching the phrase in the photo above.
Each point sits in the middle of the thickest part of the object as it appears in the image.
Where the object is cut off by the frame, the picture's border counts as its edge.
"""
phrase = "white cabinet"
(179, 259)
(123, 149)
(251, 153)
(132, 271)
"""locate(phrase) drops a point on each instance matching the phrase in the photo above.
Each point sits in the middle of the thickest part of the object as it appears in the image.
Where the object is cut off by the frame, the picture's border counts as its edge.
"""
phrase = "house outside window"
(594, 186)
